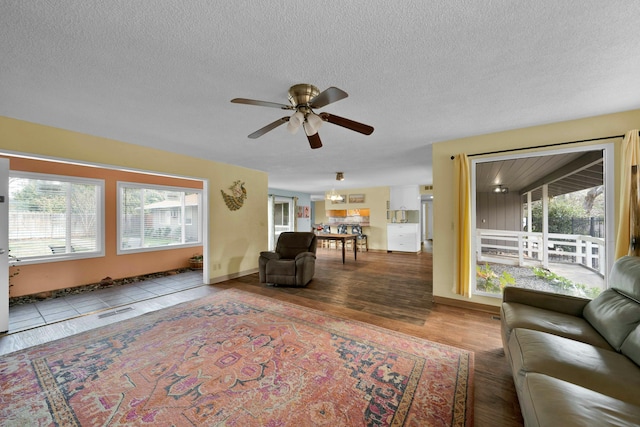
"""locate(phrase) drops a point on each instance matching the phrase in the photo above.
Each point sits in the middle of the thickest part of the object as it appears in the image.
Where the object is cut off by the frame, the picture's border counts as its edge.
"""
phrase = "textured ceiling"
(161, 73)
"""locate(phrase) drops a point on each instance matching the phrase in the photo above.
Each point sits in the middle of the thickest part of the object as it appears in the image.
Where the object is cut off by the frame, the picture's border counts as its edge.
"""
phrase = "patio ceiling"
(564, 173)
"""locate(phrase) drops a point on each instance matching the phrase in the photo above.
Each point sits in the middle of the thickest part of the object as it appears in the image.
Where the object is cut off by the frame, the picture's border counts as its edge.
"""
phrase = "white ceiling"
(161, 73)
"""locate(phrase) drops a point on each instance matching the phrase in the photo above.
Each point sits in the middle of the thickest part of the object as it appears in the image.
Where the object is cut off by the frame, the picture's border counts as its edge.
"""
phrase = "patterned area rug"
(238, 359)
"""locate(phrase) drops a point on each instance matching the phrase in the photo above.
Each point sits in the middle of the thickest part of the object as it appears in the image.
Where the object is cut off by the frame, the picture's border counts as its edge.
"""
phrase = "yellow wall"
(235, 238)
(443, 192)
(375, 198)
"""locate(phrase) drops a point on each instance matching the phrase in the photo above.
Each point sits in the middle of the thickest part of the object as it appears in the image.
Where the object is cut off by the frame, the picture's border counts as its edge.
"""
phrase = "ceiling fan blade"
(327, 96)
(269, 127)
(314, 140)
(347, 123)
(261, 103)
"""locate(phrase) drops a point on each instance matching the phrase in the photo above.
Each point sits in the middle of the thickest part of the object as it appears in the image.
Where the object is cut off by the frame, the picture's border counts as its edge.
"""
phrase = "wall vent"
(113, 313)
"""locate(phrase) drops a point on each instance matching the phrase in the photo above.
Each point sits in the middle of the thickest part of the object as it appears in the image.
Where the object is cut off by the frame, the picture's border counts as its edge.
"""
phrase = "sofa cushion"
(625, 276)
(631, 346)
(281, 267)
(597, 369)
(515, 315)
(547, 401)
(613, 315)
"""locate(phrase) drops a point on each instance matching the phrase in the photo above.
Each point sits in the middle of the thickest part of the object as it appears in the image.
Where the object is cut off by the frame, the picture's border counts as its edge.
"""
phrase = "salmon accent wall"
(233, 239)
(48, 276)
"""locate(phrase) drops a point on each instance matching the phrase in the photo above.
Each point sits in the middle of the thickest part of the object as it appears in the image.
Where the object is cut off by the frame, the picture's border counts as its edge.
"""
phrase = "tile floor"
(27, 316)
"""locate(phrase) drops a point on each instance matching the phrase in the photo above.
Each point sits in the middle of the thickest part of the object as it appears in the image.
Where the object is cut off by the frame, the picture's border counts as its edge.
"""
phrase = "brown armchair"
(292, 263)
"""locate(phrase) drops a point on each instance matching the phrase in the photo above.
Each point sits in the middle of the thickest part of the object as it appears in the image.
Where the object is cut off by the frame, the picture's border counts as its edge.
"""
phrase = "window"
(281, 214)
(549, 232)
(54, 217)
(156, 217)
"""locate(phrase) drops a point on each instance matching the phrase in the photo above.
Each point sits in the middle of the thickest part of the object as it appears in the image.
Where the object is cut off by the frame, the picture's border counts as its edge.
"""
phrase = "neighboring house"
(166, 216)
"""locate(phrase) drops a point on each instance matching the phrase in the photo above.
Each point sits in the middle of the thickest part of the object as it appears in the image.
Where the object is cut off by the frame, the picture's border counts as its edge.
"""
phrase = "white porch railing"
(526, 249)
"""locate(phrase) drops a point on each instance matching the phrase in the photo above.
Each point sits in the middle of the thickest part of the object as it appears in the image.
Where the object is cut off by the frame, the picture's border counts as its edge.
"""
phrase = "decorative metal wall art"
(235, 200)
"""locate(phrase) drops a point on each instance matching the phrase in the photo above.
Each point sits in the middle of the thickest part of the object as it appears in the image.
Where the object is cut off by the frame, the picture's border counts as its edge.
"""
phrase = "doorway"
(4, 245)
(281, 217)
(427, 218)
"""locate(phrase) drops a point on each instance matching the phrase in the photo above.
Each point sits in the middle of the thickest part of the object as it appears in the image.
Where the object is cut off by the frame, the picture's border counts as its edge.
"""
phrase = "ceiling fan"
(304, 98)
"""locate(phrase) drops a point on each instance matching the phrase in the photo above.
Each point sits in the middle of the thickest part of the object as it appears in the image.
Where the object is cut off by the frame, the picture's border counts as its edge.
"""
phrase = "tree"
(563, 209)
(83, 208)
(591, 197)
(39, 196)
(560, 217)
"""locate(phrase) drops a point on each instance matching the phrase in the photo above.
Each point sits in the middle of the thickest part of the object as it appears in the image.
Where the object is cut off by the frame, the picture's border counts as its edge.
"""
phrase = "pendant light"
(333, 195)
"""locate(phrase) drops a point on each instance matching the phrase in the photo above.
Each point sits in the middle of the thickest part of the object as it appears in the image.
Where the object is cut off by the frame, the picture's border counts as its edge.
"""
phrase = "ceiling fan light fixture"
(314, 122)
(294, 122)
(308, 129)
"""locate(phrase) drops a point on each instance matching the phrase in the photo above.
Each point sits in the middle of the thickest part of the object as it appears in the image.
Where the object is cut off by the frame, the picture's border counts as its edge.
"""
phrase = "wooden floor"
(390, 290)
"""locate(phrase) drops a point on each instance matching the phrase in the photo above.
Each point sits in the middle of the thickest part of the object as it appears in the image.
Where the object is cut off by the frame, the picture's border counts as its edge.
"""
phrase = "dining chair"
(342, 229)
(327, 243)
(361, 240)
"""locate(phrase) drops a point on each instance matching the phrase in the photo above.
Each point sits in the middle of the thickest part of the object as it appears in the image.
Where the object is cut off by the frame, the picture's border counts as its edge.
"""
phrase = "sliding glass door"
(541, 221)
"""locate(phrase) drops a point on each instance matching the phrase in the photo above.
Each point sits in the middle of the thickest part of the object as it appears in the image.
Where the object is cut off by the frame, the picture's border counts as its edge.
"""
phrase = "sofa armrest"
(270, 255)
(546, 300)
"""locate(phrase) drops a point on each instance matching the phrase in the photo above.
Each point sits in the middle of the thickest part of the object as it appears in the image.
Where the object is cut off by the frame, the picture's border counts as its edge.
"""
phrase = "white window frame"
(142, 186)
(100, 226)
(608, 165)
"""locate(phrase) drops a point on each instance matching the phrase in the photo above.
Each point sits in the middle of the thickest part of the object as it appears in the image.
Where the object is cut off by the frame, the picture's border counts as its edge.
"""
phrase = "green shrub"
(566, 285)
(489, 281)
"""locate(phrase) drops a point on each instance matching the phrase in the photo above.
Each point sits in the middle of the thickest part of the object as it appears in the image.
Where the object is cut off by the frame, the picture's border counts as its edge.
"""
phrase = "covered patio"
(507, 232)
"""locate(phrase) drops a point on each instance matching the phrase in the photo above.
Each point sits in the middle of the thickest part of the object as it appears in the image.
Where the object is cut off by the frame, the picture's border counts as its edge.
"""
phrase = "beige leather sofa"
(576, 362)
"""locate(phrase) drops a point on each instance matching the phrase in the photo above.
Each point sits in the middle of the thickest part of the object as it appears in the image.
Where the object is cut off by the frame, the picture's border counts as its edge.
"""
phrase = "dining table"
(341, 238)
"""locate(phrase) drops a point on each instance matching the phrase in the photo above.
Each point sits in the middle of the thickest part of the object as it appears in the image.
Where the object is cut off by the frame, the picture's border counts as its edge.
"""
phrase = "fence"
(593, 227)
(526, 249)
(39, 225)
